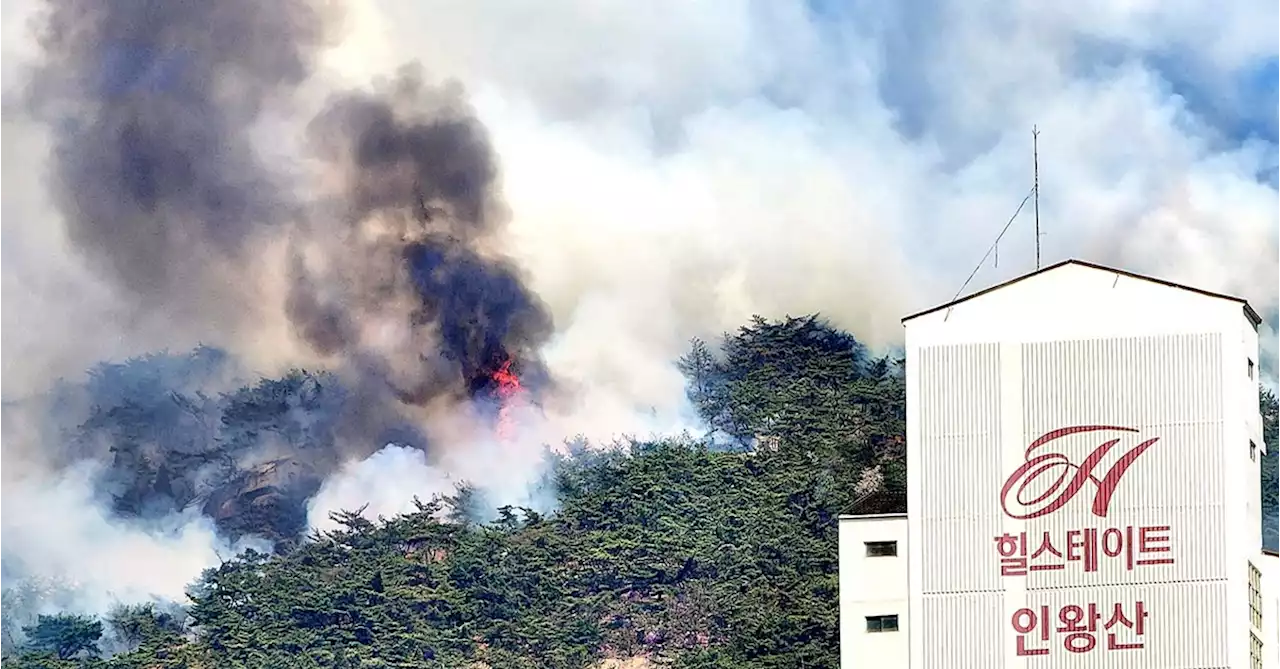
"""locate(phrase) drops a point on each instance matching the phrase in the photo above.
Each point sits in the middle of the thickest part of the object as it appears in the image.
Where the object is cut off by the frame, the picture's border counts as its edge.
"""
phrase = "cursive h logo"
(1067, 484)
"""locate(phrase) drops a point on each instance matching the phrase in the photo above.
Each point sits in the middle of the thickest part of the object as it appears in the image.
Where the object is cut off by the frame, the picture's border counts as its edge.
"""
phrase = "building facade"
(1084, 448)
(873, 585)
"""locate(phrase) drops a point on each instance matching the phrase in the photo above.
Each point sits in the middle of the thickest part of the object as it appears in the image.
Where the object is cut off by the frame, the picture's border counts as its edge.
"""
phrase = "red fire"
(508, 391)
(508, 382)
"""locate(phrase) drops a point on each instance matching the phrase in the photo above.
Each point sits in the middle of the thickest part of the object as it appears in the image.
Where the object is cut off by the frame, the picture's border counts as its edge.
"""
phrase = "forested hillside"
(712, 555)
(1270, 492)
(715, 553)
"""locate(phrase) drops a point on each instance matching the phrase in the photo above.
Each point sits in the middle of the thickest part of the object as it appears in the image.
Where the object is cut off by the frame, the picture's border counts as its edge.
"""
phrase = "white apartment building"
(1083, 448)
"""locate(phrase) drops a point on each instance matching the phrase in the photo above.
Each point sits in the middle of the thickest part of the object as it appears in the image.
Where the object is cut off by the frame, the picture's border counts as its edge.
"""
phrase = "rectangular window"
(1255, 597)
(1255, 651)
(882, 548)
(1253, 451)
(882, 623)
(1250, 368)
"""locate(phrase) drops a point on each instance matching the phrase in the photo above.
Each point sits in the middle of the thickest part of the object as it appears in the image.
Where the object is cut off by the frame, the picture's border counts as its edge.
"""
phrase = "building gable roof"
(1248, 310)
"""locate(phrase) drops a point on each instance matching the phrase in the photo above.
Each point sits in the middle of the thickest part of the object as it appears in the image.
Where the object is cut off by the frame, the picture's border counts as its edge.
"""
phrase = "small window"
(1251, 368)
(882, 623)
(1253, 451)
(882, 548)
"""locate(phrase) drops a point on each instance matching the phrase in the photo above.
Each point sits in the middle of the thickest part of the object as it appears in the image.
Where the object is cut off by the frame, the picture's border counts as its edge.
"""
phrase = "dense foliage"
(707, 556)
(691, 554)
(1270, 490)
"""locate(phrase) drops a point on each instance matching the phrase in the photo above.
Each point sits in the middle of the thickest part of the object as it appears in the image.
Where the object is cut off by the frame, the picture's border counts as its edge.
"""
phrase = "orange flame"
(508, 391)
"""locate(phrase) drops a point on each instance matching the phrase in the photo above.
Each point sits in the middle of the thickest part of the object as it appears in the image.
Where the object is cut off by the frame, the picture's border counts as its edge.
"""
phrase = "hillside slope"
(689, 554)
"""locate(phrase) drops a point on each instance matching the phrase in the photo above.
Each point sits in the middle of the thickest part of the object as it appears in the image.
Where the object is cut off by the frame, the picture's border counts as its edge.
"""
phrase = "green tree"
(64, 635)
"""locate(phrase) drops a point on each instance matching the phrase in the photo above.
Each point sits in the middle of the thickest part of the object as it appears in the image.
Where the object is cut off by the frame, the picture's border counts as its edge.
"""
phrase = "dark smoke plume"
(151, 101)
(419, 202)
(393, 275)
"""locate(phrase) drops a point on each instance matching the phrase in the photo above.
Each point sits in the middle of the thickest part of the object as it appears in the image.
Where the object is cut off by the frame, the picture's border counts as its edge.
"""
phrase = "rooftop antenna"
(1035, 189)
(1032, 195)
(995, 244)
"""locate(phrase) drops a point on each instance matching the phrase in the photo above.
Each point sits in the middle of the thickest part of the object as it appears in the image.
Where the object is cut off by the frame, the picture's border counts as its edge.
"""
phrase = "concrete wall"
(872, 586)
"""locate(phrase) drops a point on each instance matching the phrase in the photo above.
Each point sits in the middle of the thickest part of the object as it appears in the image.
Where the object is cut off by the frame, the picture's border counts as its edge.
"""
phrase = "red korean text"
(1079, 628)
(1083, 549)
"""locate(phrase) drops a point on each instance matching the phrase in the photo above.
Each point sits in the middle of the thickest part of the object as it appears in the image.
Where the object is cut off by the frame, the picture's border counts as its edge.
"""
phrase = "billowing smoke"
(382, 241)
(400, 277)
(160, 186)
(271, 180)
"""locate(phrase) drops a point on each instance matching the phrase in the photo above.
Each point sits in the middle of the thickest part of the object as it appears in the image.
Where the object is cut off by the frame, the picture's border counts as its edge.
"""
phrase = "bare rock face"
(171, 434)
(269, 500)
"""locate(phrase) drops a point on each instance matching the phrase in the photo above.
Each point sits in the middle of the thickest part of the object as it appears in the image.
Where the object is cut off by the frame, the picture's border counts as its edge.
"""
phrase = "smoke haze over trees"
(646, 552)
(718, 553)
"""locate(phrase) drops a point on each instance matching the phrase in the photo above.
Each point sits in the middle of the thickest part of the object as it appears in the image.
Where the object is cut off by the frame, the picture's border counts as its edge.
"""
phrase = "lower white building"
(873, 584)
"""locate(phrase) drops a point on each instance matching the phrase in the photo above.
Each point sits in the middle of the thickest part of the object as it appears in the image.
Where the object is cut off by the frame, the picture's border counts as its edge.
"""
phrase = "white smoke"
(674, 167)
(506, 467)
(71, 543)
(671, 177)
(64, 549)
(383, 484)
